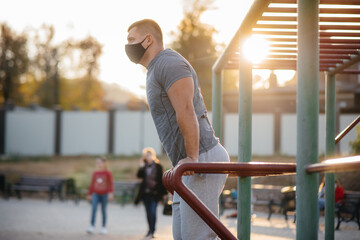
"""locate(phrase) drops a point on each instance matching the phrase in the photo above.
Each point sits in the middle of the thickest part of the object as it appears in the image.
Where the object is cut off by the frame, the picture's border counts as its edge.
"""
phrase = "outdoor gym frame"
(324, 41)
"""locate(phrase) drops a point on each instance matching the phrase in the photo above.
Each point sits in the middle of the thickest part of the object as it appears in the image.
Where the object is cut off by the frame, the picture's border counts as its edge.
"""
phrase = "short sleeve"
(174, 69)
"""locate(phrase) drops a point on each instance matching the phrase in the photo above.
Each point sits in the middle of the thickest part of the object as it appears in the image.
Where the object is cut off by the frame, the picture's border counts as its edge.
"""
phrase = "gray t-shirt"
(165, 69)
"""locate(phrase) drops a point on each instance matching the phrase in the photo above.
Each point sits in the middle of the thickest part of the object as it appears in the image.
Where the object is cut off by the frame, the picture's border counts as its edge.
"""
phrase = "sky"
(108, 20)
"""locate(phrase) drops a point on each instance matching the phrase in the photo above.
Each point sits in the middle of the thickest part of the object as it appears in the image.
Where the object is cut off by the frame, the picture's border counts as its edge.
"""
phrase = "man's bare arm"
(181, 95)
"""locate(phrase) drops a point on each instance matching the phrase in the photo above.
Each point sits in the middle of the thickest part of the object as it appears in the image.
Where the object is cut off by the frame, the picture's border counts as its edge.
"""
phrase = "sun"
(255, 49)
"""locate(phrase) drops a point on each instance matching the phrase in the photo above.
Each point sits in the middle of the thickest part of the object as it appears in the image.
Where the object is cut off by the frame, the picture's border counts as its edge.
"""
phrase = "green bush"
(355, 145)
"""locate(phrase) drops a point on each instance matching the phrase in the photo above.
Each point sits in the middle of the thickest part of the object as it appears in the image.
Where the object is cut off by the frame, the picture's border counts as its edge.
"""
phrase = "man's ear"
(149, 40)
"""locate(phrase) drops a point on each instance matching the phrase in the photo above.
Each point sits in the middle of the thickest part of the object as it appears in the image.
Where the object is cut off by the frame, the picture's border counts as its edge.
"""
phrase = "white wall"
(262, 134)
(151, 136)
(84, 133)
(131, 136)
(30, 133)
(345, 120)
(33, 133)
(289, 134)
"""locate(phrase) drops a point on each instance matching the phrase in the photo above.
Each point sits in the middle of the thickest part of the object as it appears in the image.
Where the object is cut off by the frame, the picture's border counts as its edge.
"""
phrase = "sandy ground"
(31, 219)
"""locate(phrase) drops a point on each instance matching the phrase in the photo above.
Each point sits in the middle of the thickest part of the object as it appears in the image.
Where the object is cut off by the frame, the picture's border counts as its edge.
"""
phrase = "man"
(180, 117)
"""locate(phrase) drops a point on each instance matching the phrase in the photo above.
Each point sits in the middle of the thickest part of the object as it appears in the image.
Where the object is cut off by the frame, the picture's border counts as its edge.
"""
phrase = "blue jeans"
(150, 207)
(95, 200)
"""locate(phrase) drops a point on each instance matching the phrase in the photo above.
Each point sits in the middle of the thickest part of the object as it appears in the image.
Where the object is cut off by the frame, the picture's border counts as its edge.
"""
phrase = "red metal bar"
(294, 26)
(294, 33)
(350, 72)
(173, 182)
(336, 2)
(322, 19)
(321, 10)
(347, 164)
(347, 129)
(334, 51)
(293, 41)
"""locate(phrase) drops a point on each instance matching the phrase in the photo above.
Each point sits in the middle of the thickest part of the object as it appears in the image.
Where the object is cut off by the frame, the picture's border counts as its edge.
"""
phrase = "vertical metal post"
(330, 152)
(2, 130)
(111, 129)
(307, 119)
(244, 155)
(58, 130)
(217, 103)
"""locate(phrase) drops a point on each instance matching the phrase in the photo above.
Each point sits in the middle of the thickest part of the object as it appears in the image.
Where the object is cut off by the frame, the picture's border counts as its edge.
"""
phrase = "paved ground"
(31, 219)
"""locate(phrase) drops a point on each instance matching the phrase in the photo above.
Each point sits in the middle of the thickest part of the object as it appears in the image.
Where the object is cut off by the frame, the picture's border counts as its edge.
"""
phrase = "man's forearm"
(189, 128)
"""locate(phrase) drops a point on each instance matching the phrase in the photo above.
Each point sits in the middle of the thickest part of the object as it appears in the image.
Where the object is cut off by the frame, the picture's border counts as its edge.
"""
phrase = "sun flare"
(255, 49)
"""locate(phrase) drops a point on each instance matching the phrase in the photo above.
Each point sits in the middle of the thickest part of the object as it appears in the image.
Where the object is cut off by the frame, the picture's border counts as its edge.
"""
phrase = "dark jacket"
(159, 190)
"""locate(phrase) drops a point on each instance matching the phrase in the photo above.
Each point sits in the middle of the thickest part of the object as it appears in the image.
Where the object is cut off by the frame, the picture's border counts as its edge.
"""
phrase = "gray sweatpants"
(187, 225)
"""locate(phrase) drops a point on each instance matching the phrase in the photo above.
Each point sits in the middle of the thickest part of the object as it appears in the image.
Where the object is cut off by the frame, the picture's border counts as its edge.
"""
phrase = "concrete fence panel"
(262, 134)
(30, 133)
(84, 133)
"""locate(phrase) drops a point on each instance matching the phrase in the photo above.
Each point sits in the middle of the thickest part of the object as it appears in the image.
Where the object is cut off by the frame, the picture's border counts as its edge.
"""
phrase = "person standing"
(151, 188)
(100, 191)
(181, 120)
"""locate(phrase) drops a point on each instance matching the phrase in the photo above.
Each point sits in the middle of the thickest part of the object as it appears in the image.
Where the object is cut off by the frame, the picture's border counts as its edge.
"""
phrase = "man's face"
(134, 36)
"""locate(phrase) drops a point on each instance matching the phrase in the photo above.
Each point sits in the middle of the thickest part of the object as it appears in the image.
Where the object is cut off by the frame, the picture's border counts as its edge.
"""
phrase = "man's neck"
(150, 56)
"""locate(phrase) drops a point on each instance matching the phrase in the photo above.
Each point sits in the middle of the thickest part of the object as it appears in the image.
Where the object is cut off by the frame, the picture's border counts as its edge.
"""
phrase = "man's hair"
(146, 26)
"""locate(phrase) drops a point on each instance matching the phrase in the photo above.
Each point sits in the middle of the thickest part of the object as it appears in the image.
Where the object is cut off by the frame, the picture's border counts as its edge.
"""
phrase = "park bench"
(286, 203)
(262, 196)
(38, 184)
(125, 191)
(349, 210)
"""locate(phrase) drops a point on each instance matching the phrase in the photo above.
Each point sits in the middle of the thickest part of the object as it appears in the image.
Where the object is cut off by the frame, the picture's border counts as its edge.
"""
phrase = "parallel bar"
(347, 164)
(330, 152)
(172, 180)
(244, 147)
(217, 103)
(307, 119)
(347, 129)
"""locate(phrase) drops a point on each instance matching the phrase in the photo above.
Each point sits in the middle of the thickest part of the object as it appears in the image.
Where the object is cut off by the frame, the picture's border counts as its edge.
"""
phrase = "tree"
(194, 41)
(60, 83)
(13, 62)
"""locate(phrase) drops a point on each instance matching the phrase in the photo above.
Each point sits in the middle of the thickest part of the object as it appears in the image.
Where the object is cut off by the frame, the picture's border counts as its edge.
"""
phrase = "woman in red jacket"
(100, 191)
(339, 195)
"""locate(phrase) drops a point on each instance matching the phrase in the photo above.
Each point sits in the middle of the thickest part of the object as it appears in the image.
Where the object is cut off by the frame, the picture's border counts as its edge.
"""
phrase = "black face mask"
(135, 51)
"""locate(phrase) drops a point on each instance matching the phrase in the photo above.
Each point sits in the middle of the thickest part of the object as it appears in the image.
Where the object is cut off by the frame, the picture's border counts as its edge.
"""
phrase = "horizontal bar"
(293, 33)
(294, 26)
(337, 2)
(321, 10)
(322, 19)
(347, 129)
(350, 72)
(336, 51)
(347, 164)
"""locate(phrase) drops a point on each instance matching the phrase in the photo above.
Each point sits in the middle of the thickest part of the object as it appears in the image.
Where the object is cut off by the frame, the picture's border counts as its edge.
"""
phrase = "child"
(101, 190)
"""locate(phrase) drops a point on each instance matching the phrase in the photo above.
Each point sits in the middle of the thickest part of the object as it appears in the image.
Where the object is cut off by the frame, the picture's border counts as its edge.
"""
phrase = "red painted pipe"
(173, 182)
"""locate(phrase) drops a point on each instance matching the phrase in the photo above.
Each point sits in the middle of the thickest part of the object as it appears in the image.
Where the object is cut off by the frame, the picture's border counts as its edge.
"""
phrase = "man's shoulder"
(169, 55)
